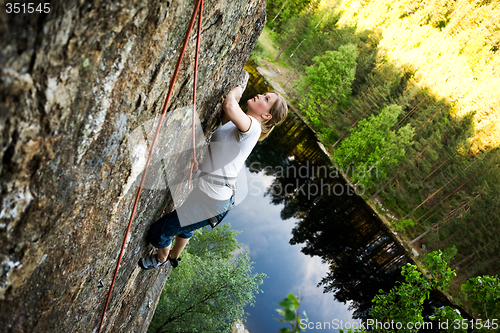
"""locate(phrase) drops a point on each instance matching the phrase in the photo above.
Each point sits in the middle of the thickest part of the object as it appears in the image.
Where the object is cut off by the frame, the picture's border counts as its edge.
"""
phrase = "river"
(309, 232)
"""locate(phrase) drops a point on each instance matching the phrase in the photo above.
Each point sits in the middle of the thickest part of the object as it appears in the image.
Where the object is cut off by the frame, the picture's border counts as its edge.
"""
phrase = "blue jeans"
(161, 232)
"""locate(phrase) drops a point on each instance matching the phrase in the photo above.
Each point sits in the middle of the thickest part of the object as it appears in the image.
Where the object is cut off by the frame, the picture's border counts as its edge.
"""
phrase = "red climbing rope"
(194, 163)
(198, 8)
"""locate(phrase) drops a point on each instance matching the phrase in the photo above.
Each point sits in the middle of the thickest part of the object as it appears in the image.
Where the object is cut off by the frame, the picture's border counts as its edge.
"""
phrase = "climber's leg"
(195, 210)
(161, 232)
(182, 239)
(162, 254)
(180, 244)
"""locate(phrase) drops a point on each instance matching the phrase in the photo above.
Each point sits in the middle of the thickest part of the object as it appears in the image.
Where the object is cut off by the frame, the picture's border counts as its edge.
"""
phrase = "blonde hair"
(278, 111)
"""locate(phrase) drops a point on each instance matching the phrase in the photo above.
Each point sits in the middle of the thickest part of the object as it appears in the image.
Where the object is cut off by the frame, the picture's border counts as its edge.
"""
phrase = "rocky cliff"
(74, 85)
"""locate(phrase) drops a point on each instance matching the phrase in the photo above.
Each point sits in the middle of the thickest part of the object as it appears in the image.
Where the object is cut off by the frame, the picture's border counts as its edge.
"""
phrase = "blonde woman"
(209, 202)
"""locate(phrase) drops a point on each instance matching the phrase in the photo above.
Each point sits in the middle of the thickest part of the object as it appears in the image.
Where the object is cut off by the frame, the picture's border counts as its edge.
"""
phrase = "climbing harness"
(194, 162)
(220, 181)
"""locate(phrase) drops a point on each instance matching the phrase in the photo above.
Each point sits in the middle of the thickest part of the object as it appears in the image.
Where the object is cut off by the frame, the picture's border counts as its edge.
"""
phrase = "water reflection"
(333, 223)
(326, 219)
(267, 237)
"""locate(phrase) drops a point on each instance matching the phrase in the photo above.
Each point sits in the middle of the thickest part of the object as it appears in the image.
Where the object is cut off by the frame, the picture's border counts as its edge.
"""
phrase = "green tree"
(328, 82)
(221, 242)
(281, 11)
(484, 292)
(404, 303)
(207, 292)
(451, 316)
(373, 147)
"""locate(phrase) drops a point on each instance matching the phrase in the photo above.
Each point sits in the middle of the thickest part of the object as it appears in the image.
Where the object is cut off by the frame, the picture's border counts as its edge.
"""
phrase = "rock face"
(72, 89)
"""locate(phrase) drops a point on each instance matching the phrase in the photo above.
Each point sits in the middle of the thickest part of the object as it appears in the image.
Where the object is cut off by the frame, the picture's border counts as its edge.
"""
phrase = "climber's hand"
(236, 92)
(233, 112)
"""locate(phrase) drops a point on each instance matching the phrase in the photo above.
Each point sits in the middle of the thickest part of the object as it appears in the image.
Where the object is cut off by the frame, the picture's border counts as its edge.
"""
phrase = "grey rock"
(71, 91)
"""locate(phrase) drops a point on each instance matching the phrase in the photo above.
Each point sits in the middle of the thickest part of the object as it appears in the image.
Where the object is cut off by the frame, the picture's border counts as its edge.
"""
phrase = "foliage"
(290, 312)
(404, 302)
(329, 82)
(449, 253)
(265, 47)
(373, 144)
(450, 316)
(207, 292)
(280, 11)
(484, 292)
(439, 275)
(403, 224)
(439, 61)
(220, 242)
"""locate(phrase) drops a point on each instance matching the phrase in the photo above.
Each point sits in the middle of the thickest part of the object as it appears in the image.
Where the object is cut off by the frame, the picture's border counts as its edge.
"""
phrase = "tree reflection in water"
(341, 229)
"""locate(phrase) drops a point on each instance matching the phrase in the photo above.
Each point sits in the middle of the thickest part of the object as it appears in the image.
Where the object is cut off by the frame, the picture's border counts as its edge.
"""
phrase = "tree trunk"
(390, 180)
(279, 13)
(435, 169)
(433, 194)
(284, 46)
(409, 113)
(438, 191)
(422, 235)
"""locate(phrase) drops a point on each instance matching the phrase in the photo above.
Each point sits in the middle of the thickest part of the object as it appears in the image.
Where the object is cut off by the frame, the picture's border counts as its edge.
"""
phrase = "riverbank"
(279, 77)
(275, 75)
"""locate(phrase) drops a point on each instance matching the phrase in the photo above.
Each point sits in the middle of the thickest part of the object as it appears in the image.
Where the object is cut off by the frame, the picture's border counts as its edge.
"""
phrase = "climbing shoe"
(151, 262)
(174, 262)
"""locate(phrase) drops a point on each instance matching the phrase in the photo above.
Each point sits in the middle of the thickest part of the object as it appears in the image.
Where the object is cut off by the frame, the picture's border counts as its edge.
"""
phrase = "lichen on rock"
(72, 90)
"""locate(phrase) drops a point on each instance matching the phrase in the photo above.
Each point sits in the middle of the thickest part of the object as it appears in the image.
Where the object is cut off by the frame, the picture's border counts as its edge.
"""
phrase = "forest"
(409, 89)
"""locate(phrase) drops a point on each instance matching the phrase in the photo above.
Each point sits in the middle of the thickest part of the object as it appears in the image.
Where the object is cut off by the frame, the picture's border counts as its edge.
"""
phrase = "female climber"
(209, 201)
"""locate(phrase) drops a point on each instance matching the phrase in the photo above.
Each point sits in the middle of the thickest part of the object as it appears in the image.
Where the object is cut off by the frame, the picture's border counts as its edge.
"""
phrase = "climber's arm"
(233, 112)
